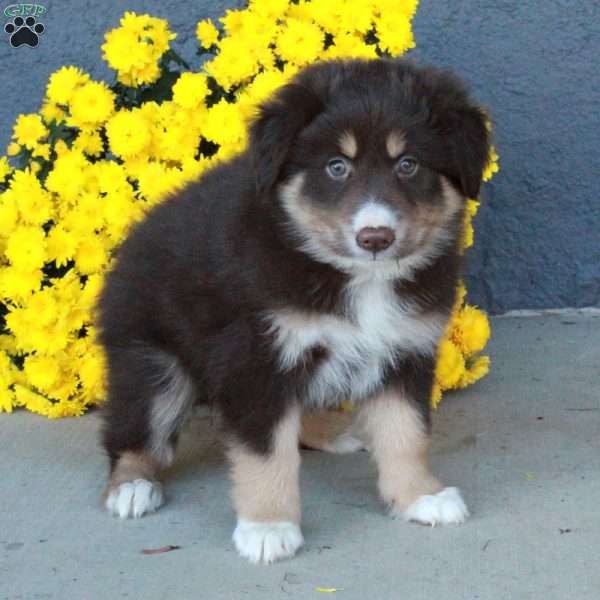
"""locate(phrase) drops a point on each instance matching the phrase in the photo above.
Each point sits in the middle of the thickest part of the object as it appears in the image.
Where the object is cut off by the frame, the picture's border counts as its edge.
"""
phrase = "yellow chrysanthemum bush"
(97, 157)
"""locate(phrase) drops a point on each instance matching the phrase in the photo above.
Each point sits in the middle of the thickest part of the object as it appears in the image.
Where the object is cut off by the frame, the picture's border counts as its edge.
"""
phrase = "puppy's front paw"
(134, 498)
(444, 508)
(267, 542)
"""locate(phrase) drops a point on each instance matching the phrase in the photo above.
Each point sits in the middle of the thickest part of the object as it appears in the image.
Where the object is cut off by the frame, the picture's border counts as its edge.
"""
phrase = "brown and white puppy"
(318, 266)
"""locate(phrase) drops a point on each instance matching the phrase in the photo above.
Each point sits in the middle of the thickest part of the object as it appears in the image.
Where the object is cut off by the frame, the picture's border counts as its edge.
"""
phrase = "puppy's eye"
(338, 168)
(406, 166)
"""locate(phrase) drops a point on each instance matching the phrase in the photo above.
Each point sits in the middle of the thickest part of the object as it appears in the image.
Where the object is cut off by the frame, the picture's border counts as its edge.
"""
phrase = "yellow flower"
(6, 372)
(13, 149)
(263, 86)
(190, 90)
(300, 42)
(125, 53)
(6, 380)
(156, 181)
(41, 151)
(207, 33)
(89, 206)
(475, 370)
(471, 330)
(41, 371)
(52, 112)
(134, 48)
(436, 395)
(68, 175)
(9, 214)
(31, 400)
(468, 232)
(65, 408)
(7, 399)
(92, 374)
(61, 245)
(128, 133)
(232, 21)
(90, 142)
(7, 344)
(34, 202)
(405, 9)
(91, 255)
(348, 45)
(63, 83)
(269, 9)
(120, 211)
(90, 292)
(492, 166)
(152, 31)
(192, 169)
(322, 12)
(177, 142)
(450, 365)
(395, 35)
(461, 293)
(224, 124)
(110, 177)
(60, 147)
(231, 67)
(18, 284)
(472, 207)
(29, 130)
(26, 248)
(341, 17)
(92, 104)
(86, 204)
(43, 307)
(5, 168)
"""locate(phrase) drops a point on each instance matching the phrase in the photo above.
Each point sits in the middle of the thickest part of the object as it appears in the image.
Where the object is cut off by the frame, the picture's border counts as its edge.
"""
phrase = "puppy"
(317, 267)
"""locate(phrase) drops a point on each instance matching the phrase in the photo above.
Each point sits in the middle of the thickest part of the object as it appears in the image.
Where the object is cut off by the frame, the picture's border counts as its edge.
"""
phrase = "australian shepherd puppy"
(318, 266)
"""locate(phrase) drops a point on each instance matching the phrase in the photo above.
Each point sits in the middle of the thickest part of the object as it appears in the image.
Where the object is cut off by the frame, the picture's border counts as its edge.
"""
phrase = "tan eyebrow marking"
(348, 144)
(395, 144)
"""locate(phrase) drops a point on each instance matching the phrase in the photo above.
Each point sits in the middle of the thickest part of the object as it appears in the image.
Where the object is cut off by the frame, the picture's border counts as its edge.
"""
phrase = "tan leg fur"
(399, 443)
(320, 429)
(266, 488)
(131, 466)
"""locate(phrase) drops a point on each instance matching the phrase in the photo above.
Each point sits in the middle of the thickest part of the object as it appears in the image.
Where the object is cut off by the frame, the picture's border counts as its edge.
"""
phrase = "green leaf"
(172, 56)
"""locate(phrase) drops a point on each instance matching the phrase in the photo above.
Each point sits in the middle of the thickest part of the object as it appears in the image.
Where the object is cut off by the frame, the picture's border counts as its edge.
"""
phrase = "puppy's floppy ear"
(274, 130)
(469, 145)
(462, 126)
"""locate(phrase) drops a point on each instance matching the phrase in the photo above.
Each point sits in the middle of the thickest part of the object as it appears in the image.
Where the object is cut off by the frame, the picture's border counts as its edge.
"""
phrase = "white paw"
(135, 498)
(345, 444)
(267, 542)
(442, 508)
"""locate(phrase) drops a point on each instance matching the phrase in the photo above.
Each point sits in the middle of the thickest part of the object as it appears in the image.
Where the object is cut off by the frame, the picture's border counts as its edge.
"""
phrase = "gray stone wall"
(533, 64)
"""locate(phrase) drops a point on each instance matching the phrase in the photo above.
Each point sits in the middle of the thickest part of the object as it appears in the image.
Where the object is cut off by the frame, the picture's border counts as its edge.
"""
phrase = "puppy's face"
(379, 162)
(357, 194)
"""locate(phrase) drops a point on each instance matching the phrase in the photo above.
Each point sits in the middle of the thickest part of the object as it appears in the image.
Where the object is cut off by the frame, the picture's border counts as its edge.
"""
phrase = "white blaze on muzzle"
(374, 214)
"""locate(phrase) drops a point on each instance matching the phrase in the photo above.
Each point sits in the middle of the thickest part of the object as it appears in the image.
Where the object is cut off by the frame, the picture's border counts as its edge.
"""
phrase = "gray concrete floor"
(523, 445)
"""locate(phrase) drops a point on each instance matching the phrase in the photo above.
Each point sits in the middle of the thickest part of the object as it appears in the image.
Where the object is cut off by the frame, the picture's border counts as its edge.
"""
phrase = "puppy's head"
(371, 160)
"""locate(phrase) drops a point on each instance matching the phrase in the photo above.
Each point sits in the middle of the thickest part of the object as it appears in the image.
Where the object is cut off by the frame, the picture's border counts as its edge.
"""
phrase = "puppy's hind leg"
(331, 431)
(149, 398)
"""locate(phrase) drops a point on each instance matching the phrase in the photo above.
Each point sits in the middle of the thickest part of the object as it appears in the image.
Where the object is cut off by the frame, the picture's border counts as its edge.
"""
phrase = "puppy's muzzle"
(375, 239)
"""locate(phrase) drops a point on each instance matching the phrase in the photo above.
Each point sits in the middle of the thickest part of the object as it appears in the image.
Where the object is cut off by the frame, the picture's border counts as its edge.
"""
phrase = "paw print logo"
(24, 31)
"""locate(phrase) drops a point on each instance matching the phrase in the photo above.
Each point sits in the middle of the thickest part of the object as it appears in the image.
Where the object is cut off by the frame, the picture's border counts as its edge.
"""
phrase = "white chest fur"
(376, 331)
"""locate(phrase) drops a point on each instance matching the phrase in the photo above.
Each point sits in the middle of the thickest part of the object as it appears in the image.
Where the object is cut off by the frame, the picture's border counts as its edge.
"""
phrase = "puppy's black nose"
(375, 239)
